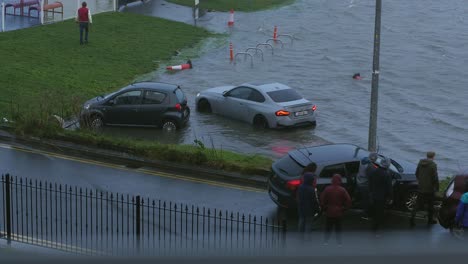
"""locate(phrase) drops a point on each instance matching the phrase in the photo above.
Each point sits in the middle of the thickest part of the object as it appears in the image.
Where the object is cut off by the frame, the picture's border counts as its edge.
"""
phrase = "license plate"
(274, 196)
(301, 113)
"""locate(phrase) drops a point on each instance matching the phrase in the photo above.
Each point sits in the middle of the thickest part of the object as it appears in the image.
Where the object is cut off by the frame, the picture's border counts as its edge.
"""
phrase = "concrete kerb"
(130, 161)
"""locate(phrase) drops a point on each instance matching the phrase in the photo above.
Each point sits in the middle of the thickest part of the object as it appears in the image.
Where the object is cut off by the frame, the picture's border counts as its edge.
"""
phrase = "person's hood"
(336, 180)
(426, 162)
(308, 178)
(464, 198)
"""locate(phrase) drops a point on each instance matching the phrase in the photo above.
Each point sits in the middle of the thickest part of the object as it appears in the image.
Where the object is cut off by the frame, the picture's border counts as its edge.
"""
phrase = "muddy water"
(423, 84)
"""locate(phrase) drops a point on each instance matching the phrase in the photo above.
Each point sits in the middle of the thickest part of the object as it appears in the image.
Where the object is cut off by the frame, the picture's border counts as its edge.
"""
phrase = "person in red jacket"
(335, 200)
(83, 17)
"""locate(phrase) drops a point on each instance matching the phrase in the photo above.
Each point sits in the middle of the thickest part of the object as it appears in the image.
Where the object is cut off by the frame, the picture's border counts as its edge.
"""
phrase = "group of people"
(375, 190)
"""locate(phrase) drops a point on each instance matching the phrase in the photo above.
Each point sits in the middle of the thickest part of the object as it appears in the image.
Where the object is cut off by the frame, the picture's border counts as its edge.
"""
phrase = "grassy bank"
(237, 5)
(44, 69)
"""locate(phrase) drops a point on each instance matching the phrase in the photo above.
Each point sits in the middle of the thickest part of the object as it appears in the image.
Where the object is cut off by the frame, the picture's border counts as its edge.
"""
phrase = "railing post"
(138, 221)
(285, 228)
(8, 207)
(3, 15)
(41, 13)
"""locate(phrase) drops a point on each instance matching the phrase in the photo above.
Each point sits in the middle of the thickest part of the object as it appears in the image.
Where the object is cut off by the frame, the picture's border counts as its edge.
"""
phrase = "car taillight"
(282, 113)
(314, 107)
(293, 184)
(178, 107)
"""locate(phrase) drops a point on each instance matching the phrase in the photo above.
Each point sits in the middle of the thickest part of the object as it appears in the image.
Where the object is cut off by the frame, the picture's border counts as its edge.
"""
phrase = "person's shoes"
(365, 217)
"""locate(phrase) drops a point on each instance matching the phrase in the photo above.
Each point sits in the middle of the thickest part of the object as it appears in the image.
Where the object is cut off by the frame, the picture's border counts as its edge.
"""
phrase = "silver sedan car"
(270, 105)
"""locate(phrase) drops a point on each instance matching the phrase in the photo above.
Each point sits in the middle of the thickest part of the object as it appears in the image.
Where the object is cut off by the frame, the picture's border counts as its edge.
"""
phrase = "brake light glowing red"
(293, 184)
(282, 113)
(314, 107)
(178, 107)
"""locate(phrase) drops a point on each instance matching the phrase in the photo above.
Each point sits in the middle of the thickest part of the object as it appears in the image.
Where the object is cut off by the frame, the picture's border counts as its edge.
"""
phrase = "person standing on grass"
(428, 184)
(84, 19)
(334, 200)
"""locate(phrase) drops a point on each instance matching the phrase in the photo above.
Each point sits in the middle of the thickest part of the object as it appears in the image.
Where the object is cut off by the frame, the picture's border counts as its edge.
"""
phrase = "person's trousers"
(424, 199)
(306, 223)
(333, 223)
(378, 214)
(364, 197)
(84, 27)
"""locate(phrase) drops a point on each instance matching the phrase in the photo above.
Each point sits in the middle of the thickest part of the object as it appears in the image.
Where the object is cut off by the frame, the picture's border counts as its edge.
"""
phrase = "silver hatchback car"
(270, 105)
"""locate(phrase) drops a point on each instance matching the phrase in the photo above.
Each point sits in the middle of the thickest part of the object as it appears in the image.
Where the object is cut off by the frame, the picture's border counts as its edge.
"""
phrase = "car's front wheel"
(96, 122)
(204, 106)
(169, 126)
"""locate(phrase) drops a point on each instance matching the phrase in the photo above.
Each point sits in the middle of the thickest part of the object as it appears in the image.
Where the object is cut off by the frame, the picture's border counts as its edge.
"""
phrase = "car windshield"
(180, 95)
(285, 95)
(289, 167)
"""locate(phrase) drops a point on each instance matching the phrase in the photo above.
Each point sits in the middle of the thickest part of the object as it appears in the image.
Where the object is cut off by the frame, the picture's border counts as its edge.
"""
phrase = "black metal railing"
(94, 222)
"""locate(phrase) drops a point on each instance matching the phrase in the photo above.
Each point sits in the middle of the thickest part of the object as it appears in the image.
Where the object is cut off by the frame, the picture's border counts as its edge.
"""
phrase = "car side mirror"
(111, 102)
(225, 93)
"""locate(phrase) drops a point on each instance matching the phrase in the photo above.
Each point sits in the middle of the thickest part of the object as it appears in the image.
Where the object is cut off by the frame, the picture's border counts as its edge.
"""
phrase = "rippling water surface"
(423, 83)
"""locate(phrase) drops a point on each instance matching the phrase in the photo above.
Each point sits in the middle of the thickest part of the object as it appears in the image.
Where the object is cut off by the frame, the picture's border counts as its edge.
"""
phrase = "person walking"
(366, 166)
(307, 202)
(334, 200)
(84, 19)
(380, 193)
(461, 217)
(428, 185)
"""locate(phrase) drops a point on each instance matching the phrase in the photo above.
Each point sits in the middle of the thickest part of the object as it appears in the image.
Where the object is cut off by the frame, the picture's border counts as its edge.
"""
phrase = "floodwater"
(423, 84)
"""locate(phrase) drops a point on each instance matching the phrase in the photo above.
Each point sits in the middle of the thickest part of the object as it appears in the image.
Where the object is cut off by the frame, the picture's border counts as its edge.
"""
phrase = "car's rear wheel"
(260, 122)
(169, 126)
(204, 106)
(96, 122)
(410, 201)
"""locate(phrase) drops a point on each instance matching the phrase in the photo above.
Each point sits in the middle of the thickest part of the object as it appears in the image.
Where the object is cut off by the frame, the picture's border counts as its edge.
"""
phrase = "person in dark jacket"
(428, 181)
(365, 168)
(307, 201)
(461, 217)
(335, 200)
(380, 192)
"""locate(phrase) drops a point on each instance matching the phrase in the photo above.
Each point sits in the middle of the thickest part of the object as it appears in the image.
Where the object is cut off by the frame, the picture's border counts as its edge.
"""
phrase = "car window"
(289, 167)
(154, 97)
(352, 168)
(285, 95)
(256, 96)
(128, 98)
(180, 95)
(241, 93)
(330, 170)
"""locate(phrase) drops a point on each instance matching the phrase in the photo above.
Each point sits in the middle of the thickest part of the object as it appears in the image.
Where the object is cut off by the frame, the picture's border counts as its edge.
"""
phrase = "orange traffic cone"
(180, 67)
(231, 18)
(231, 52)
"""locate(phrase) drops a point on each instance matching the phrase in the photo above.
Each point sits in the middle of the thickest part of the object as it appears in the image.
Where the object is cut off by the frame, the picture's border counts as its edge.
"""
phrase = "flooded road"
(422, 81)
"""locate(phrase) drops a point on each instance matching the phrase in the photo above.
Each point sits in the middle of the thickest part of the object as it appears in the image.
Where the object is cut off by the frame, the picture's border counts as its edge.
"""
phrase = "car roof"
(329, 153)
(267, 87)
(167, 87)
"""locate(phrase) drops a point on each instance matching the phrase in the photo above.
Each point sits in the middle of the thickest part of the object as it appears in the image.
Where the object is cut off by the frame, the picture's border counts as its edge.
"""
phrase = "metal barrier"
(267, 45)
(245, 53)
(93, 222)
(256, 49)
(286, 35)
(276, 40)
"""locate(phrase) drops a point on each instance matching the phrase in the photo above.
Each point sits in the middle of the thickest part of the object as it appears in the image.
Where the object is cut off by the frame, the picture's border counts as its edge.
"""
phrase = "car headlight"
(198, 94)
(86, 106)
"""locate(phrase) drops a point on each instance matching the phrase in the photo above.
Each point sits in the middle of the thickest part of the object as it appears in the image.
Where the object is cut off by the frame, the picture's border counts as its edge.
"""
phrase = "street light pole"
(375, 80)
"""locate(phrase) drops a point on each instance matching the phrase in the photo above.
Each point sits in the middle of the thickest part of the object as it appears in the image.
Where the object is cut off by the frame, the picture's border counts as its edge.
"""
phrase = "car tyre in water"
(96, 123)
(260, 122)
(410, 201)
(169, 126)
(204, 106)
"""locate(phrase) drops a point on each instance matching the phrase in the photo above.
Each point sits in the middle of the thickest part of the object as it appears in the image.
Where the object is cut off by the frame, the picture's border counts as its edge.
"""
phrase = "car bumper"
(281, 198)
(286, 121)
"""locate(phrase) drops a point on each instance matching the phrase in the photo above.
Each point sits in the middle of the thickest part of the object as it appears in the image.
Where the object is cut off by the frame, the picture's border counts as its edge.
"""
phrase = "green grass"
(237, 5)
(188, 154)
(45, 69)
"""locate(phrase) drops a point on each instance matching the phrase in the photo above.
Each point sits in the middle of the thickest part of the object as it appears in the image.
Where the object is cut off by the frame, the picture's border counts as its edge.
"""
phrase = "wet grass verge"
(237, 5)
(45, 67)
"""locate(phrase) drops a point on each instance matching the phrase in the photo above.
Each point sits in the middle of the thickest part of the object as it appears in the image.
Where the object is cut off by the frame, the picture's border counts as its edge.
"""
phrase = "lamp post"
(375, 80)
